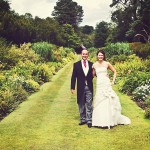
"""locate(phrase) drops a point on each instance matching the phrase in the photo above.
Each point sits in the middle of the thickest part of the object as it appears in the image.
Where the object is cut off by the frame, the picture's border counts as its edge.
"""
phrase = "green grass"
(49, 119)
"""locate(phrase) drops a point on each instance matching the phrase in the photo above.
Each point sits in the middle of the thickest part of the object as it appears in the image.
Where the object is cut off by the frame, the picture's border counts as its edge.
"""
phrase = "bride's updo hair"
(101, 51)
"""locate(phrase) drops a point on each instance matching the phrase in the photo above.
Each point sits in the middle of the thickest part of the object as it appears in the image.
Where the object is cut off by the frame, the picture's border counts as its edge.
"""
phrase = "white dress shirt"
(85, 69)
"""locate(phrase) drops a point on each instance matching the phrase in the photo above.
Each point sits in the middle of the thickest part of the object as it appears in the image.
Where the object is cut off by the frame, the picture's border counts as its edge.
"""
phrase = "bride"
(106, 106)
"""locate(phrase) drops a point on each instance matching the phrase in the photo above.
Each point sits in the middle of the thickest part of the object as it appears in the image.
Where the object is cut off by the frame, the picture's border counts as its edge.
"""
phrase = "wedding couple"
(105, 110)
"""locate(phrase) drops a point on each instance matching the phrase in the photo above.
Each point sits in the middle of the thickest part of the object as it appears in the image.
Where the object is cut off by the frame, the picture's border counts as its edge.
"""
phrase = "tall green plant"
(44, 49)
(117, 49)
(141, 49)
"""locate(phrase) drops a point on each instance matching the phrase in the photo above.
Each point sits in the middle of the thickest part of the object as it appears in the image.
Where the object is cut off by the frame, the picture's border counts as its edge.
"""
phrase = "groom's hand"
(72, 91)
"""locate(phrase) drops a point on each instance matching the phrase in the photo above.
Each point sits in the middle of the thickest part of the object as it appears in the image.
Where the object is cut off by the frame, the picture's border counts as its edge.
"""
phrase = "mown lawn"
(49, 119)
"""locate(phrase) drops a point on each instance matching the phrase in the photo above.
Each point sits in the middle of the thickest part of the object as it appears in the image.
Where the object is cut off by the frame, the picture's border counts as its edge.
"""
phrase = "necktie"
(84, 62)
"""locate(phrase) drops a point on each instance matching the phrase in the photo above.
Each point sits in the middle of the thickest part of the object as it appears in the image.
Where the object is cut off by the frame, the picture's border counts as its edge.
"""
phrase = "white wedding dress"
(106, 105)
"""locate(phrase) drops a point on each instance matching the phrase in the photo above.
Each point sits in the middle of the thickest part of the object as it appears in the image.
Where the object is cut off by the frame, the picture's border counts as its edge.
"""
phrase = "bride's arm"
(93, 71)
(114, 71)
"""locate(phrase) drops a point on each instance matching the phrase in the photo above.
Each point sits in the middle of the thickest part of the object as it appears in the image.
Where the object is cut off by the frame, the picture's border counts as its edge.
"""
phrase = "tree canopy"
(101, 34)
(68, 12)
(131, 18)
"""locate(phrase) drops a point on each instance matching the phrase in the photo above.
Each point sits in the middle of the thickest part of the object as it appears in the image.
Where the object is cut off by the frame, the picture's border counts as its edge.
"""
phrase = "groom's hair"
(83, 50)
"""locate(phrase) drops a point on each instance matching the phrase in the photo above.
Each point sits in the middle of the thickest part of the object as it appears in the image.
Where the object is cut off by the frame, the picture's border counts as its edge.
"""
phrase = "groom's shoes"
(82, 123)
(89, 125)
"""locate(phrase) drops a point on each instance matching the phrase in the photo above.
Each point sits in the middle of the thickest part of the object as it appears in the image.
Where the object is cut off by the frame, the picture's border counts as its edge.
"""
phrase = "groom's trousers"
(85, 108)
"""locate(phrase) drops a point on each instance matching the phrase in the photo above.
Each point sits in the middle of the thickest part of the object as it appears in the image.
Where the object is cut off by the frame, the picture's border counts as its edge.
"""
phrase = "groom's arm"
(73, 79)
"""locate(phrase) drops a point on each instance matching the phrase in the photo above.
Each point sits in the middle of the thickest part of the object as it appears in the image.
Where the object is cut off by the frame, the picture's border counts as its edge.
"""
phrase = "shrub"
(141, 49)
(13, 81)
(44, 49)
(10, 99)
(132, 65)
(68, 50)
(147, 112)
(4, 51)
(31, 86)
(118, 59)
(65, 61)
(147, 100)
(2, 79)
(92, 54)
(61, 50)
(117, 48)
(42, 73)
(142, 92)
(6, 102)
(20, 54)
(146, 63)
(71, 56)
(59, 54)
(53, 70)
(133, 81)
(57, 66)
(23, 69)
(19, 95)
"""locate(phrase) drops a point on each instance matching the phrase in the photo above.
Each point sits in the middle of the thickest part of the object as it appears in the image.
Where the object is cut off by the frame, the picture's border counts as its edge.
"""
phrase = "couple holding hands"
(105, 110)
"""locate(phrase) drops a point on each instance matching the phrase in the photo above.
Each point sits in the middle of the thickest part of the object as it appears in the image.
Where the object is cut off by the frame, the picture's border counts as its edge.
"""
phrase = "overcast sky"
(95, 11)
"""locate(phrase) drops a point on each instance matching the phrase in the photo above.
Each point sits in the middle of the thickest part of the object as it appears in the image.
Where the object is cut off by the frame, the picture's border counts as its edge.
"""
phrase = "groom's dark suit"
(84, 91)
(81, 78)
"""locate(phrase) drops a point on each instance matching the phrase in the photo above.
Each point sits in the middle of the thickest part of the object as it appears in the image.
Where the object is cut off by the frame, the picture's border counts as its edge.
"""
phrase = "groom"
(82, 73)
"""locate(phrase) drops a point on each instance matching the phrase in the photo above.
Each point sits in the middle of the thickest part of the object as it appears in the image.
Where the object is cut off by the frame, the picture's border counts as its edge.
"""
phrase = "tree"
(140, 28)
(4, 6)
(47, 30)
(101, 34)
(122, 20)
(69, 36)
(86, 33)
(131, 18)
(68, 12)
(24, 28)
(87, 29)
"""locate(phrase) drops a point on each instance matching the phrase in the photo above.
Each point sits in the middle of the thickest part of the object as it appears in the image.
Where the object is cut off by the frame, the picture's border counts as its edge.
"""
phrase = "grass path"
(49, 119)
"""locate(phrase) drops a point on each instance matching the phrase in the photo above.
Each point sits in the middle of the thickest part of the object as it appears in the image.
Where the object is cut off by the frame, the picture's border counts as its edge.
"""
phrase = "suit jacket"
(79, 76)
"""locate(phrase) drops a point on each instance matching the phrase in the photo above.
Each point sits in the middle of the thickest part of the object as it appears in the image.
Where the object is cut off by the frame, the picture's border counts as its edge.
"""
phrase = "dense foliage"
(129, 23)
(101, 34)
(133, 70)
(25, 66)
(131, 20)
(23, 69)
